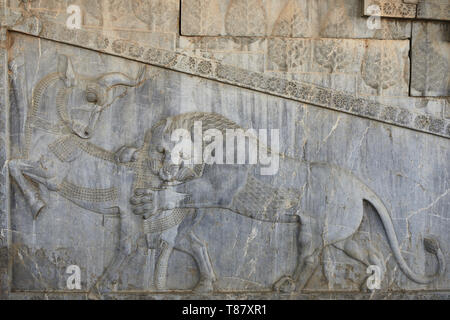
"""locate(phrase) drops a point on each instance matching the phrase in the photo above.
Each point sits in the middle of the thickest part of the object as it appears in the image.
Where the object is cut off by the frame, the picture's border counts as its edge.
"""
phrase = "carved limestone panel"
(430, 59)
(285, 18)
(95, 183)
(155, 22)
(391, 8)
(434, 9)
(4, 154)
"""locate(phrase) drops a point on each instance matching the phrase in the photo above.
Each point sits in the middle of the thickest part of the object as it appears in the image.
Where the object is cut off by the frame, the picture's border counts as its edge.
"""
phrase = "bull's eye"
(91, 97)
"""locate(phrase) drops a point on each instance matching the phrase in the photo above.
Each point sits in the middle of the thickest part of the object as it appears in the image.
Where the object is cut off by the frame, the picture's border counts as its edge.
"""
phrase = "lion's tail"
(431, 245)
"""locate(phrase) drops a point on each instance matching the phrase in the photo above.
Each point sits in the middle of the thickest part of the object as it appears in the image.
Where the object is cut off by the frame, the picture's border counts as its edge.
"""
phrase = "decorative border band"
(206, 68)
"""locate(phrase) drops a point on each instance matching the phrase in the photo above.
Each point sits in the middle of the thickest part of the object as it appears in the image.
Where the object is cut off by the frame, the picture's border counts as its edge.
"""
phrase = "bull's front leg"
(20, 170)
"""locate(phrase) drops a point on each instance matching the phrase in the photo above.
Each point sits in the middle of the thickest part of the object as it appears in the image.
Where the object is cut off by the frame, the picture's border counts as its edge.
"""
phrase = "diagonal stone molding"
(210, 69)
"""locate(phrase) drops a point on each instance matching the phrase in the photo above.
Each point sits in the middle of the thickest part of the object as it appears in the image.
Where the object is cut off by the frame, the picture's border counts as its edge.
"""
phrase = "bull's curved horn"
(118, 78)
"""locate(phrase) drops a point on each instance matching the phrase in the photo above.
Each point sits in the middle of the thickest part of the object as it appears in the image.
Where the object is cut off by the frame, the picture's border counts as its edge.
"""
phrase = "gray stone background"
(401, 68)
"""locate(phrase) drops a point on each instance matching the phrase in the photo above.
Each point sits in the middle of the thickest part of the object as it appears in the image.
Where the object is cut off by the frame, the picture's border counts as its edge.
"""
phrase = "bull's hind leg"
(127, 245)
(200, 253)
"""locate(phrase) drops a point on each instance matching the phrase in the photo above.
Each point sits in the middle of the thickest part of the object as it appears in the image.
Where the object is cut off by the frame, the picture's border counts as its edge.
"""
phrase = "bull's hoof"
(36, 208)
(102, 287)
(285, 285)
(204, 286)
(94, 293)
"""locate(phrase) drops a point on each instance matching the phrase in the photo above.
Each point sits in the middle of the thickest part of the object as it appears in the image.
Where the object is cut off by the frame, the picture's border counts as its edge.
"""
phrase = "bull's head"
(87, 97)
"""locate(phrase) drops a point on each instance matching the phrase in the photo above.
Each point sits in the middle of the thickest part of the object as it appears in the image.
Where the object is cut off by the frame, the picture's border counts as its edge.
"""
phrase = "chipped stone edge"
(211, 69)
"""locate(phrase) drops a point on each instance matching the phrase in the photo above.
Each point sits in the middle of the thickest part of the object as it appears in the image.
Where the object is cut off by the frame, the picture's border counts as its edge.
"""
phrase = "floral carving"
(159, 15)
(199, 17)
(429, 69)
(288, 54)
(380, 67)
(394, 8)
(331, 55)
(245, 18)
(291, 22)
(336, 23)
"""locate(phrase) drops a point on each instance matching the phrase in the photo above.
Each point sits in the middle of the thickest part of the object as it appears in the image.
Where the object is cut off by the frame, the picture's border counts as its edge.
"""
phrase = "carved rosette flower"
(204, 67)
(135, 51)
(153, 55)
(389, 8)
(102, 42)
(119, 46)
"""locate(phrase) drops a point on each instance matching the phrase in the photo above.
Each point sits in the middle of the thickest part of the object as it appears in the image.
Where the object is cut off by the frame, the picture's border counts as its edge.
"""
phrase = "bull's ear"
(65, 69)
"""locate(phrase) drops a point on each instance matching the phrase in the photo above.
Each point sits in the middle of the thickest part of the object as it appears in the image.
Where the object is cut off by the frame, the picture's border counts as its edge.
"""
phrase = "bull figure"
(57, 131)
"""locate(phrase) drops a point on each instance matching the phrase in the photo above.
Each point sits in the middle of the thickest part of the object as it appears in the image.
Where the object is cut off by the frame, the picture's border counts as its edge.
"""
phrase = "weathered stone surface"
(363, 67)
(430, 58)
(285, 18)
(85, 151)
(154, 22)
(434, 9)
(4, 155)
(347, 157)
(304, 92)
(391, 8)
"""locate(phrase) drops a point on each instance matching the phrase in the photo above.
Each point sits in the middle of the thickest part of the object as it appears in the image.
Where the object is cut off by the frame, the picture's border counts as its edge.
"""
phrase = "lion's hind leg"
(367, 256)
(308, 260)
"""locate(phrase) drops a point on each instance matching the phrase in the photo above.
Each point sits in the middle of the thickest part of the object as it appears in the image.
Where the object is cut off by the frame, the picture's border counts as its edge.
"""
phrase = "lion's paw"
(285, 285)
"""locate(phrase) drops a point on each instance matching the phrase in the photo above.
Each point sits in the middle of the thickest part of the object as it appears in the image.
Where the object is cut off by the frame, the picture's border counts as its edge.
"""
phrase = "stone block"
(430, 59)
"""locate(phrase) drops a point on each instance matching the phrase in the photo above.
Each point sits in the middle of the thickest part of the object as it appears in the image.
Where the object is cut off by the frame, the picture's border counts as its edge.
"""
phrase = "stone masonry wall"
(359, 91)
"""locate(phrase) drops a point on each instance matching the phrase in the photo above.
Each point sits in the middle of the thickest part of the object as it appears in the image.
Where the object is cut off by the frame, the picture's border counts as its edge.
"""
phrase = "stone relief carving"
(246, 18)
(200, 16)
(429, 74)
(380, 67)
(331, 55)
(291, 22)
(288, 54)
(66, 129)
(157, 14)
(170, 201)
(434, 9)
(337, 21)
(393, 8)
(233, 75)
